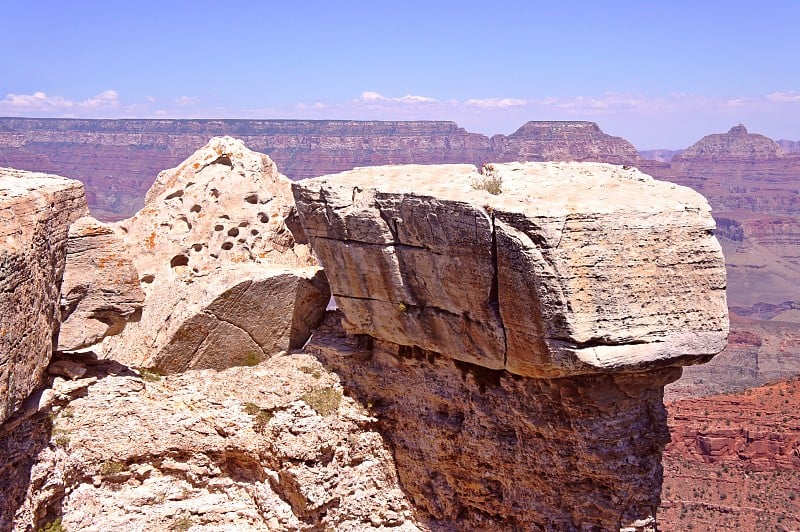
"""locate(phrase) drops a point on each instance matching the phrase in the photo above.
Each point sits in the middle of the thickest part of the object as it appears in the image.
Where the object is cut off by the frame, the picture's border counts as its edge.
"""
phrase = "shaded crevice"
(378, 244)
(600, 342)
(494, 291)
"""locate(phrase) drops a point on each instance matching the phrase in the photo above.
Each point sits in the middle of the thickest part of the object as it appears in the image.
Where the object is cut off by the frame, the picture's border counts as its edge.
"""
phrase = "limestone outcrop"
(35, 214)
(273, 447)
(536, 325)
(225, 280)
(100, 291)
(566, 271)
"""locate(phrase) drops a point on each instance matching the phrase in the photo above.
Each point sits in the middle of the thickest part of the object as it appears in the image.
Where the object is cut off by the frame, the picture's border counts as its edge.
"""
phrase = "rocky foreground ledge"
(497, 361)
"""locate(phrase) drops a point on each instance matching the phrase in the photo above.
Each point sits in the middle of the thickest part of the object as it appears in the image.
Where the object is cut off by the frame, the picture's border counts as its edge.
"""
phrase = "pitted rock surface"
(573, 268)
(35, 214)
(226, 282)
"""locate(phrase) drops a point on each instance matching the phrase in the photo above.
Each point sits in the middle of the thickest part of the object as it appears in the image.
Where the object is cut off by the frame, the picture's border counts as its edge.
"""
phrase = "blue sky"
(661, 74)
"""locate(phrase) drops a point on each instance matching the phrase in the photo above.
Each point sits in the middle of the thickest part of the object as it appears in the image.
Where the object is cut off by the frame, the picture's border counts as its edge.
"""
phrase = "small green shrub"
(181, 524)
(261, 416)
(251, 409)
(251, 359)
(53, 526)
(308, 370)
(489, 181)
(324, 401)
(111, 467)
(149, 375)
(262, 420)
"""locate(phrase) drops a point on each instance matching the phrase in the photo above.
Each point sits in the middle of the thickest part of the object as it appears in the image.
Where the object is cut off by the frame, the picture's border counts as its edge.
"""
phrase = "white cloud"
(39, 102)
(492, 103)
(786, 96)
(187, 100)
(374, 97)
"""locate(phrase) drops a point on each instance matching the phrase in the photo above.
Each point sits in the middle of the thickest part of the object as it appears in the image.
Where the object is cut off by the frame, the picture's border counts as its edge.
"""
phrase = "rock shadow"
(483, 449)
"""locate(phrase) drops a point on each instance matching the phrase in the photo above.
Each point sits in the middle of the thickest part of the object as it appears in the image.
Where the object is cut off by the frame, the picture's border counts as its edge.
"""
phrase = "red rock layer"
(734, 461)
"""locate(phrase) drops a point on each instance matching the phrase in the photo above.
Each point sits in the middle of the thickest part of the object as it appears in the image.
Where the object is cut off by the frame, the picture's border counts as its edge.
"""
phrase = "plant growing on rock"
(324, 401)
(489, 181)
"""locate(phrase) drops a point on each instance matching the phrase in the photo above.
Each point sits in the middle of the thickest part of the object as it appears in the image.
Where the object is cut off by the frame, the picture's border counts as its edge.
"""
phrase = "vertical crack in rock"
(494, 297)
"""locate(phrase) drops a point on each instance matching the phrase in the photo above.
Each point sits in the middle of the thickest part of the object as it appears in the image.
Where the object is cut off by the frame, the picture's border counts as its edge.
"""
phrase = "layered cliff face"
(118, 159)
(735, 144)
(35, 213)
(562, 141)
(560, 314)
(734, 461)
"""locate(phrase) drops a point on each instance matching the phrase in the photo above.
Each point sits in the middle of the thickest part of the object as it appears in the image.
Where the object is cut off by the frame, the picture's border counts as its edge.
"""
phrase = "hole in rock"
(215, 192)
(227, 245)
(179, 260)
(195, 208)
(244, 224)
(219, 227)
(149, 278)
(251, 198)
(195, 270)
(241, 240)
(224, 216)
(197, 247)
(254, 232)
(263, 217)
(215, 255)
(224, 159)
(233, 231)
(176, 194)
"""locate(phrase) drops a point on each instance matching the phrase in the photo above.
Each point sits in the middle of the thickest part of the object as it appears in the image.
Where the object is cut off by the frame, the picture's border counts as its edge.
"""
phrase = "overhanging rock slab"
(572, 268)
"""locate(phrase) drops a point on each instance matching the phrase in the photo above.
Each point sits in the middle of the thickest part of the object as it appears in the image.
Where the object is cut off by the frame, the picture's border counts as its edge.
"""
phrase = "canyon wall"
(119, 159)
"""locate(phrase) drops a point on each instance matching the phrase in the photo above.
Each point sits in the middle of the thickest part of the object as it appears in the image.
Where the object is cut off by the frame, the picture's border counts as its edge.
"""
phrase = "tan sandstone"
(35, 214)
(226, 282)
(573, 268)
(100, 291)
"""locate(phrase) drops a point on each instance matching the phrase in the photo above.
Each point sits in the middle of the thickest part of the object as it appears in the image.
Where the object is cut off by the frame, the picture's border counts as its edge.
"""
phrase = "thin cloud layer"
(39, 102)
(670, 121)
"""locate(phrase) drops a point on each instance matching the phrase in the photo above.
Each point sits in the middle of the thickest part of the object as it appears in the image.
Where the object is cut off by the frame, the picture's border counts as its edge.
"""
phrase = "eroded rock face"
(479, 449)
(273, 447)
(35, 214)
(100, 291)
(225, 280)
(567, 271)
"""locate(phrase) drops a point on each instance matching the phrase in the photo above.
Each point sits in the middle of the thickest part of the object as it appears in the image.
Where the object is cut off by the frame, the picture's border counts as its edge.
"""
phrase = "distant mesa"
(737, 143)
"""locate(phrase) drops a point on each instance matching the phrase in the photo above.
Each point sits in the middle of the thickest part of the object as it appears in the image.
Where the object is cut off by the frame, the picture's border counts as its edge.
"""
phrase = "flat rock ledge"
(573, 268)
